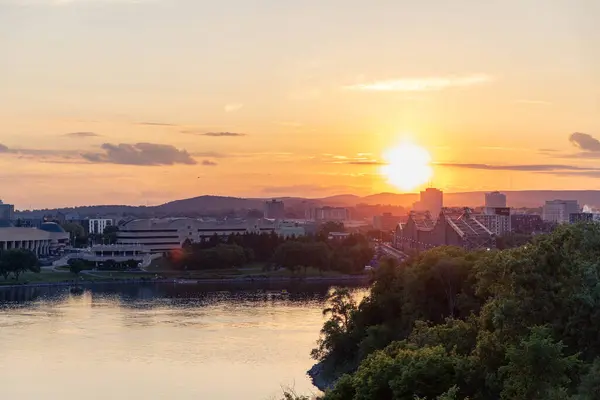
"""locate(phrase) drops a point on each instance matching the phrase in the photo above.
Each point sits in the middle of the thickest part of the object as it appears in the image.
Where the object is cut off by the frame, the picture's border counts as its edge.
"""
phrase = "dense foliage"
(17, 261)
(521, 323)
(349, 255)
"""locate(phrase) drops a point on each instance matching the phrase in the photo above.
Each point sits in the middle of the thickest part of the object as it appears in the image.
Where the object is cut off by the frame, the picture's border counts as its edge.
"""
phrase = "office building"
(558, 211)
(495, 200)
(274, 209)
(325, 214)
(98, 225)
(584, 217)
(7, 212)
(431, 200)
(496, 219)
(527, 223)
(386, 221)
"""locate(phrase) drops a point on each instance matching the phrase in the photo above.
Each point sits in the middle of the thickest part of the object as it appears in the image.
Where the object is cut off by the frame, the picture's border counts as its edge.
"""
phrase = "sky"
(146, 101)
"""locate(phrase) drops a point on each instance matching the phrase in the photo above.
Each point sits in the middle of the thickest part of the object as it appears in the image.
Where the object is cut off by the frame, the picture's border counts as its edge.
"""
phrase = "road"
(392, 252)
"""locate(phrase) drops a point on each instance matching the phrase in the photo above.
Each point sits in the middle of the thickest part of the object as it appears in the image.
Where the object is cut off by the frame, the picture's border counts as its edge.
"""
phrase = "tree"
(331, 226)
(17, 261)
(109, 236)
(76, 233)
(76, 265)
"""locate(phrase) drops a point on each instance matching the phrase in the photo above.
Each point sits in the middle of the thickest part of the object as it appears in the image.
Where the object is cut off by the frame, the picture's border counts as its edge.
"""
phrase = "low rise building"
(496, 219)
(49, 239)
(386, 221)
(328, 214)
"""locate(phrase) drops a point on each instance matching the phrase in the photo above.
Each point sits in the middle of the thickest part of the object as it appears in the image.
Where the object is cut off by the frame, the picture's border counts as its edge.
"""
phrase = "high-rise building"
(495, 200)
(431, 200)
(274, 209)
(559, 211)
(7, 212)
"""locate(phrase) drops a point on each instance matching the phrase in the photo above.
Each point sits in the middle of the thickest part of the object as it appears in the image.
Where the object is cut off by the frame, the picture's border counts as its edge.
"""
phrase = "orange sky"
(296, 98)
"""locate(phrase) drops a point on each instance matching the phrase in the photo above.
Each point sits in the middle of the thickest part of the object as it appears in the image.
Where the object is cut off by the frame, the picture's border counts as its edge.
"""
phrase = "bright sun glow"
(408, 166)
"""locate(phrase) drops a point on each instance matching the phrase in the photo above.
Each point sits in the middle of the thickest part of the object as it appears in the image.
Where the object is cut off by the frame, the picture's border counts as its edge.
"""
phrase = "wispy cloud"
(232, 107)
(211, 154)
(585, 141)
(81, 134)
(222, 134)
(522, 167)
(421, 84)
(156, 124)
(533, 102)
(209, 163)
(140, 154)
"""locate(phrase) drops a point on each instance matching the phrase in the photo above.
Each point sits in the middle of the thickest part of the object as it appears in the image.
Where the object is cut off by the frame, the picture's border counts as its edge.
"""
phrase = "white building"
(559, 211)
(47, 240)
(328, 214)
(98, 225)
(495, 200)
(165, 234)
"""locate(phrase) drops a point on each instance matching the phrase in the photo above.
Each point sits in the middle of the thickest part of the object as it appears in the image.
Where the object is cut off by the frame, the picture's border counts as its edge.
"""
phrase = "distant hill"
(211, 204)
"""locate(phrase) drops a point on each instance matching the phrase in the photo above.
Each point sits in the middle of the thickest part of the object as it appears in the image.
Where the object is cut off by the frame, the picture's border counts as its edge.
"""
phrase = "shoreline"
(358, 279)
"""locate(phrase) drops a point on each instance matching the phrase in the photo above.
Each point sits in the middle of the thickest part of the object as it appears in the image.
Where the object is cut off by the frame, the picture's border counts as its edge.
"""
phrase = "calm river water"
(158, 342)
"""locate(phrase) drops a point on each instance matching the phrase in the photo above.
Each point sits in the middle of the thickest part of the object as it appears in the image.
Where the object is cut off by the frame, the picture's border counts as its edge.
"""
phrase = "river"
(162, 341)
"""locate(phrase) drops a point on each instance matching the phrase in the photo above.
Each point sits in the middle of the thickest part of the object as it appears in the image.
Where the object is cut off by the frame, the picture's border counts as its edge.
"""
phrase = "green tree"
(76, 265)
(17, 261)
(76, 233)
(109, 236)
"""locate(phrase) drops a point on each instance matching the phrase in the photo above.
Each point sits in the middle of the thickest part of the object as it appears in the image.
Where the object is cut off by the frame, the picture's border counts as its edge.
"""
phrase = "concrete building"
(584, 217)
(496, 219)
(495, 200)
(386, 221)
(527, 223)
(325, 214)
(98, 225)
(274, 209)
(431, 200)
(166, 234)
(47, 240)
(558, 211)
(7, 212)
(421, 232)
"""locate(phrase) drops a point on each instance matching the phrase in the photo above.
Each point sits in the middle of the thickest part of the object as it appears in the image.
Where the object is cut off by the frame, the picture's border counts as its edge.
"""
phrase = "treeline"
(521, 323)
(17, 261)
(349, 255)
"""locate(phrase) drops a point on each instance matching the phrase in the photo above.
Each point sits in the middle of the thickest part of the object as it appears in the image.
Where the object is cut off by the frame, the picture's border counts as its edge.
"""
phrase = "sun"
(407, 166)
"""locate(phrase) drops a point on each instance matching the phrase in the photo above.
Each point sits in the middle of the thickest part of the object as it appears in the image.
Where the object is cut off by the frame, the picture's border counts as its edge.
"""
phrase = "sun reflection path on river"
(167, 343)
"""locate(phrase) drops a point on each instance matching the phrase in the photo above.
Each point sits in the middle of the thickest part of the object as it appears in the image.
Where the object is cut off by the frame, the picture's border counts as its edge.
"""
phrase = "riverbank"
(349, 279)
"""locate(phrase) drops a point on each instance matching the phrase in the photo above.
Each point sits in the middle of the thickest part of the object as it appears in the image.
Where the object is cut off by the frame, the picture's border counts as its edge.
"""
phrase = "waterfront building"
(161, 235)
(49, 239)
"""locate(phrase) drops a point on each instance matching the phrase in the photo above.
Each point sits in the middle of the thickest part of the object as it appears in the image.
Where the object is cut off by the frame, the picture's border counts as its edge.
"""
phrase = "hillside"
(211, 204)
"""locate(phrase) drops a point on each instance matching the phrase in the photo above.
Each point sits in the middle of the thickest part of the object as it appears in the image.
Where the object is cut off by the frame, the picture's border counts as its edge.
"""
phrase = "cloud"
(233, 107)
(421, 84)
(533, 102)
(211, 154)
(585, 142)
(156, 124)
(140, 154)
(209, 163)
(216, 134)
(3, 148)
(81, 134)
(525, 167)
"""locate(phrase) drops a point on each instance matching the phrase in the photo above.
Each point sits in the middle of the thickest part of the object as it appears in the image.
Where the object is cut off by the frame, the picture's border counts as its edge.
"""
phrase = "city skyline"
(142, 102)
